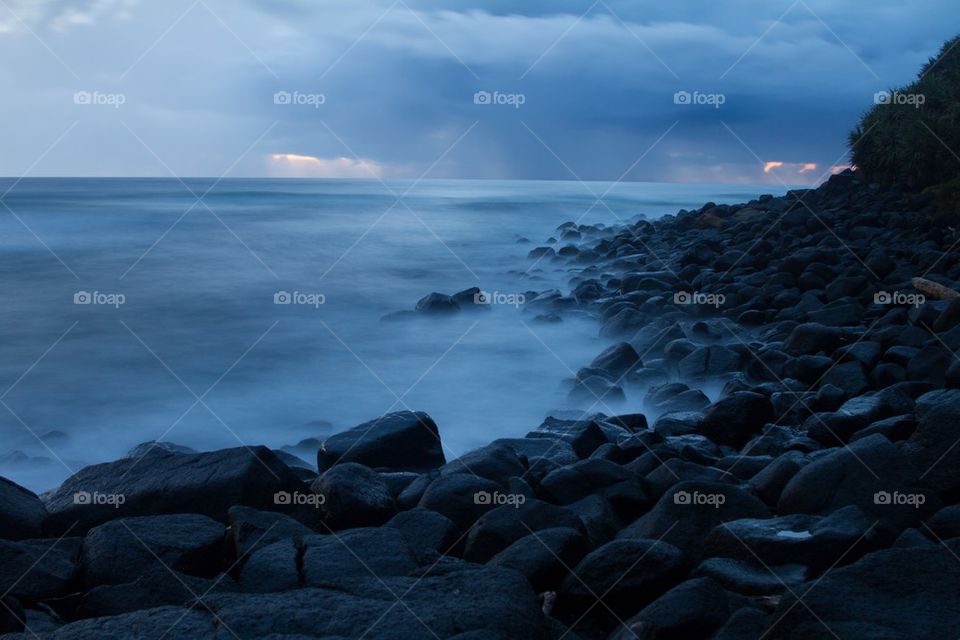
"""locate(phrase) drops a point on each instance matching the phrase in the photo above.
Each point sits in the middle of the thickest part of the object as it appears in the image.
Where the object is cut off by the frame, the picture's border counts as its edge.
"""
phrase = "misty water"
(199, 354)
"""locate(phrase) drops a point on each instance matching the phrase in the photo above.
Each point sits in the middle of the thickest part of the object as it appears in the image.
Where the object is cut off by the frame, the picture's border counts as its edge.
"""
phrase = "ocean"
(216, 314)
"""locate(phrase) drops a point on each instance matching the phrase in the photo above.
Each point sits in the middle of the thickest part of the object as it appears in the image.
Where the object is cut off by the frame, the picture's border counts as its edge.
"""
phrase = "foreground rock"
(162, 482)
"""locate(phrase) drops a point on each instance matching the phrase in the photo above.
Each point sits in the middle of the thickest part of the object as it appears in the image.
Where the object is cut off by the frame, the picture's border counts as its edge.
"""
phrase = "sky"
(739, 91)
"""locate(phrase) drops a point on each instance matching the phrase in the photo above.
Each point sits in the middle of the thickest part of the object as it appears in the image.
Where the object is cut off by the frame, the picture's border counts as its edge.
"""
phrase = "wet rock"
(250, 529)
(117, 550)
(35, 569)
(678, 423)
(21, 512)
(583, 435)
(499, 528)
(692, 610)
(161, 483)
(618, 359)
(353, 495)
(544, 557)
(437, 304)
(400, 441)
(571, 483)
(689, 508)
(749, 579)
(628, 573)
(735, 419)
(897, 593)
(428, 532)
(460, 497)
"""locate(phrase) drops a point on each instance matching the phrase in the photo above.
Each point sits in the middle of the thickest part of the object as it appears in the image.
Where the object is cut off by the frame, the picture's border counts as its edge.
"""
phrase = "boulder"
(618, 359)
(692, 610)
(117, 550)
(626, 573)
(428, 532)
(251, 529)
(749, 579)
(35, 569)
(164, 483)
(689, 509)
(497, 529)
(932, 449)
(437, 304)
(461, 497)
(399, 441)
(353, 495)
(891, 594)
(735, 419)
(21, 512)
(544, 557)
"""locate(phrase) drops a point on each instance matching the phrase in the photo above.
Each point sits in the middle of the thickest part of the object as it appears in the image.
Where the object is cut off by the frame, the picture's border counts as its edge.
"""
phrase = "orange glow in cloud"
(770, 166)
(294, 165)
(809, 166)
(840, 168)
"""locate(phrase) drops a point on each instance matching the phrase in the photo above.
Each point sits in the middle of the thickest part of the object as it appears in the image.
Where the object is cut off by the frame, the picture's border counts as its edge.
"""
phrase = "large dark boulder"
(499, 528)
(618, 359)
(903, 593)
(461, 497)
(428, 532)
(251, 529)
(933, 448)
(626, 573)
(35, 569)
(447, 602)
(692, 611)
(544, 557)
(870, 473)
(689, 509)
(400, 441)
(21, 512)
(735, 419)
(120, 549)
(161, 483)
(353, 495)
(571, 483)
(814, 541)
(813, 338)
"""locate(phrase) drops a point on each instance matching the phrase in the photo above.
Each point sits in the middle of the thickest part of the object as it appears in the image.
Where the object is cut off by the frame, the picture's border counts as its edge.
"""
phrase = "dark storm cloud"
(587, 89)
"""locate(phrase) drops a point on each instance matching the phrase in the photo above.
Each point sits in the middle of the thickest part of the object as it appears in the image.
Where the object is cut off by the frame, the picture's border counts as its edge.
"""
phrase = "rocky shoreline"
(815, 496)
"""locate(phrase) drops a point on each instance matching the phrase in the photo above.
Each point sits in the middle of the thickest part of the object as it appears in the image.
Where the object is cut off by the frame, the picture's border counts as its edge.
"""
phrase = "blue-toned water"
(199, 354)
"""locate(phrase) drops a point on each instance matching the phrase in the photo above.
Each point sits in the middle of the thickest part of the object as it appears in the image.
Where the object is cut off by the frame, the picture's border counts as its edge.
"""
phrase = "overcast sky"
(550, 89)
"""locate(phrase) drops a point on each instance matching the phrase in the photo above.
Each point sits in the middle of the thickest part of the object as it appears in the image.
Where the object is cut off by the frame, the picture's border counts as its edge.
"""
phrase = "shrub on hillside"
(911, 138)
